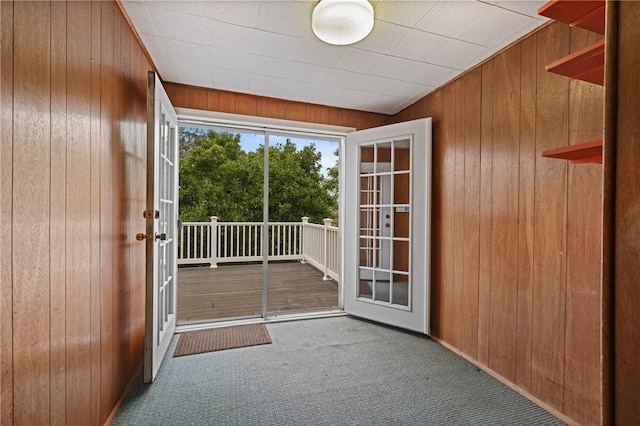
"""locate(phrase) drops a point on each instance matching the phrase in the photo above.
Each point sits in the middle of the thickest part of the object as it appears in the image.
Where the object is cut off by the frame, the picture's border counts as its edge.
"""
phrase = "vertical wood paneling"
(486, 174)
(547, 357)
(58, 212)
(139, 72)
(227, 102)
(78, 215)
(336, 116)
(581, 390)
(72, 321)
(445, 204)
(504, 211)
(31, 213)
(296, 111)
(584, 210)
(245, 105)
(127, 203)
(251, 105)
(6, 217)
(352, 118)
(262, 109)
(213, 101)
(627, 221)
(528, 72)
(368, 121)
(198, 98)
(180, 95)
(120, 264)
(276, 108)
(75, 123)
(457, 282)
(529, 223)
(471, 229)
(317, 114)
(95, 164)
(108, 236)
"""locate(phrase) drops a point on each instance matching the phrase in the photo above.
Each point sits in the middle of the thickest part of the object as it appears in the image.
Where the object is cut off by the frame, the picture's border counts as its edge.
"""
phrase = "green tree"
(217, 178)
(331, 185)
(296, 184)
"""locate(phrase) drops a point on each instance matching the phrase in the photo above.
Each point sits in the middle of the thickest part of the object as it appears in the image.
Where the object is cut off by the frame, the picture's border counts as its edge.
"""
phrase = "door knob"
(141, 237)
(161, 236)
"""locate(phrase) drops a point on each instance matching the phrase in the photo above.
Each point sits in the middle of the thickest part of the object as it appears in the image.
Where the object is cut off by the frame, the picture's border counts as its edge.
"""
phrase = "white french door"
(161, 226)
(387, 224)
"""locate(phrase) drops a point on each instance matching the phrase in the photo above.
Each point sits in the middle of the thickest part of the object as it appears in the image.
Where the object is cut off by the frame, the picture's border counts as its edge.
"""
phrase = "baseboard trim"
(123, 396)
(506, 382)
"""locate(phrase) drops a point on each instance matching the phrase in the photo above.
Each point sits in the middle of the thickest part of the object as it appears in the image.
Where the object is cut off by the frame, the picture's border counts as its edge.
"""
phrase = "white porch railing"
(228, 242)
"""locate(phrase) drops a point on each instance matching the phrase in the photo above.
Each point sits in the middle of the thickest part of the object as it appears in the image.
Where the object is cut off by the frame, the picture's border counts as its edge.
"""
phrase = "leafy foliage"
(218, 178)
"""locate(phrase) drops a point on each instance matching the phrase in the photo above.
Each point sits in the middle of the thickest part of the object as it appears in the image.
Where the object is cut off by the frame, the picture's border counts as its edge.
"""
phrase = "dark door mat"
(218, 339)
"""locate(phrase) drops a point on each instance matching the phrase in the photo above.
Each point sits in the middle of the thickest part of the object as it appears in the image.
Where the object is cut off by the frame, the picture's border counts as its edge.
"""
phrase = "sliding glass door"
(259, 224)
(303, 224)
(221, 191)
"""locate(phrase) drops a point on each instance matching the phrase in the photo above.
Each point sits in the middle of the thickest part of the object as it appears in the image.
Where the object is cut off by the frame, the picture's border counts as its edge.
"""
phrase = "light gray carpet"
(331, 371)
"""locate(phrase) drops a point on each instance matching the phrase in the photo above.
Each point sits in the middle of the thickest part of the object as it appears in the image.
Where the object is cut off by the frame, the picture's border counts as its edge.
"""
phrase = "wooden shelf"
(585, 64)
(588, 152)
(589, 15)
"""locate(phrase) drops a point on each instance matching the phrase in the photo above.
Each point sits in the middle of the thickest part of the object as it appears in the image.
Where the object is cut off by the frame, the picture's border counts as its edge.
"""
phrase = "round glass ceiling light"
(342, 22)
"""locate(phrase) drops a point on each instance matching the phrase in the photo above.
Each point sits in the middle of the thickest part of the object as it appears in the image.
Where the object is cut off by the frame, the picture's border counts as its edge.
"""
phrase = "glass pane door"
(160, 215)
(221, 212)
(256, 241)
(303, 225)
(384, 222)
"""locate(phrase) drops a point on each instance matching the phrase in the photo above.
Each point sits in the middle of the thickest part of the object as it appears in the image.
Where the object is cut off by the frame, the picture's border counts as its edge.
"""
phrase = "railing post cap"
(305, 219)
(214, 218)
(328, 221)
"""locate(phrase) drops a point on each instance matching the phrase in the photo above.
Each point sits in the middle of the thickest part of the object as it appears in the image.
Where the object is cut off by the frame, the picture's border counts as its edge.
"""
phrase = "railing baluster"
(213, 242)
(272, 236)
(222, 248)
(189, 255)
(256, 240)
(244, 241)
(249, 248)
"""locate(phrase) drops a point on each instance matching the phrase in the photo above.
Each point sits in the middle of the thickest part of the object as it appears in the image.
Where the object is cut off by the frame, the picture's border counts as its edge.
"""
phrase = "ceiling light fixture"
(342, 22)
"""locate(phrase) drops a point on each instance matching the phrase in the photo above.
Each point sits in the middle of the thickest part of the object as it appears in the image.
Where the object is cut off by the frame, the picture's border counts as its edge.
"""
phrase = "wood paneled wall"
(626, 201)
(517, 237)
(72, 164)
(259, 106)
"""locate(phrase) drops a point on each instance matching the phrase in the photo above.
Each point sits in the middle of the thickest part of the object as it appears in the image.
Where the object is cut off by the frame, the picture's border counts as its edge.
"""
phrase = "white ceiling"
(267, 48)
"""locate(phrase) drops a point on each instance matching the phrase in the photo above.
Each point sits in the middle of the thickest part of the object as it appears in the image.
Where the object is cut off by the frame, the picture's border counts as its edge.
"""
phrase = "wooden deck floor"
(230, 291)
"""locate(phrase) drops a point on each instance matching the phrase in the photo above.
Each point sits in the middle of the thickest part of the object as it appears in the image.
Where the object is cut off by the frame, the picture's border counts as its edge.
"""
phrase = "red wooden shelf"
(585, 64)
(588, 152)
(589, 15)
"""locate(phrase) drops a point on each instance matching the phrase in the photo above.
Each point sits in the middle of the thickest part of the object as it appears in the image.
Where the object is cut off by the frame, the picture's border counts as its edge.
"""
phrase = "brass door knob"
(141, 237)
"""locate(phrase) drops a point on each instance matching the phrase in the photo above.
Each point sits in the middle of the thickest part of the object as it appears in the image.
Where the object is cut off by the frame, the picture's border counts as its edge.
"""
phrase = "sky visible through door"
(251, 142)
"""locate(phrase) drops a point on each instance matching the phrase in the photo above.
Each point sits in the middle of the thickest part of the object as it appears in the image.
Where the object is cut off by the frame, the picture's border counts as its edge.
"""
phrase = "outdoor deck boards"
(230, 291)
